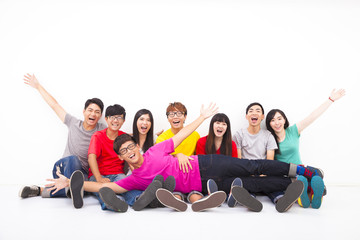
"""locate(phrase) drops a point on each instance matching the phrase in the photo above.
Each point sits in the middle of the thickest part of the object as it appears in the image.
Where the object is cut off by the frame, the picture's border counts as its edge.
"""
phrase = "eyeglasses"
(173, 114)
(129, 147)
(112, 118)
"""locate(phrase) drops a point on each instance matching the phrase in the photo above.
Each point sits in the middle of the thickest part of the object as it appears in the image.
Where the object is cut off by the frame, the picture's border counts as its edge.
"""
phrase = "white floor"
(38, 218)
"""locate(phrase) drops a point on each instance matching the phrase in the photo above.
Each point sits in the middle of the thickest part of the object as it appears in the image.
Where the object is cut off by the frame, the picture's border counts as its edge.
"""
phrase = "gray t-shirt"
(79, 139)
(254, 146)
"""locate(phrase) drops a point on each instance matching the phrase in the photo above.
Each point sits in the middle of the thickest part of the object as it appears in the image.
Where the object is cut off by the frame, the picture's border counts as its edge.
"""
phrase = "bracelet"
(331, 99)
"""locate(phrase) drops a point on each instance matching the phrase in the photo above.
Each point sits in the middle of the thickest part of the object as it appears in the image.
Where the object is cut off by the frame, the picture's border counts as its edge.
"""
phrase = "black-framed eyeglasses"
(119, 118)
(131, 146)
(173, 114)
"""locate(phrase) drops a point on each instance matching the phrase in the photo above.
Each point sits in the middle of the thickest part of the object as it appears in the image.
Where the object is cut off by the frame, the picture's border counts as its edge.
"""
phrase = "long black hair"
(269, 117)
(226, 144)
(149, 141)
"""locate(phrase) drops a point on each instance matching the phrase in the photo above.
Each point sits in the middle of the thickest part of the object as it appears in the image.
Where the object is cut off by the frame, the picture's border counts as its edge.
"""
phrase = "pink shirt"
(158, 161)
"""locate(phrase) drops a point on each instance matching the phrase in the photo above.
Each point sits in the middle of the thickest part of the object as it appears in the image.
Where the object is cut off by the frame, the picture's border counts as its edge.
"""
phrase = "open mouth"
(176, 122)
(254, 119)
(219, 131)
(132, 156)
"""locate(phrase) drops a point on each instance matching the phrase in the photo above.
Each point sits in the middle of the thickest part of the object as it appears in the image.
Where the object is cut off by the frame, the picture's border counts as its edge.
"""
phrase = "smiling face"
(130, 152)
(143, 124)
(277, 123)
(219, 128)
(176, 121)
(255, 115)
(92, 115)
(115, 122)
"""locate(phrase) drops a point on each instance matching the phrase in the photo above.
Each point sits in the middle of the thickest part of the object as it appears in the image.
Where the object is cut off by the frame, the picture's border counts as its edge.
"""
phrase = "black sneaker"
(292, 193)
(168, 184)
(76, 188)
(211, 201)
(147, 196)
(29, 191)
(242, 196)
(112, 201)
(169, 200)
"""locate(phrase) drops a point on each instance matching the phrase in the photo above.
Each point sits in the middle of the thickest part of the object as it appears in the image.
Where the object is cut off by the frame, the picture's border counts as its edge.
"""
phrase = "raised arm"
(334, 96)
(33, 82)
(186, 131)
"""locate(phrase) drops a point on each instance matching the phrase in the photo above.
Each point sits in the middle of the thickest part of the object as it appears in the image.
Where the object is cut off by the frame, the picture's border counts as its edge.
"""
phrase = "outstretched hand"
(209, 111)
(336, 95)
(58, 183)
(31, 80)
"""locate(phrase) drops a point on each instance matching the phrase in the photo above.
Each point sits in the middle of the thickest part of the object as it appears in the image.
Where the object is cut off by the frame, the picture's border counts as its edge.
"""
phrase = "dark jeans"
(224, 169)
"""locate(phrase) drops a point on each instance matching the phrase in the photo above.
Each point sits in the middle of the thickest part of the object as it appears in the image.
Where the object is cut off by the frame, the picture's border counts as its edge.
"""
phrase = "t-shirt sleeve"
(69, 120)
(237, 140)
(128, 183)
(95, 146)
(166, 147)
(200, 147)
(294, 130)
(271, 143)
(234, 150)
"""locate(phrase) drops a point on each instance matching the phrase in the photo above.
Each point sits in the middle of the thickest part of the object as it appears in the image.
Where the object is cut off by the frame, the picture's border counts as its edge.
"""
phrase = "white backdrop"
(146, 54)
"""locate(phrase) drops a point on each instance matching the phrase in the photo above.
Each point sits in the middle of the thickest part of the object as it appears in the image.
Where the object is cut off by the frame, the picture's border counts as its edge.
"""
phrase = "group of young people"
(134, 170)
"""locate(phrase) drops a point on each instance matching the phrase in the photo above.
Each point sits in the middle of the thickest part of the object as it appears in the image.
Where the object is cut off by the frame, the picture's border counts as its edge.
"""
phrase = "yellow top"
(187, 146)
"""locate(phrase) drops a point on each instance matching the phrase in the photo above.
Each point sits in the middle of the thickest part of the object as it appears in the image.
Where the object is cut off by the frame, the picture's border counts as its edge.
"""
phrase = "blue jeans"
(129, 197)
(67, 166)
(224, 169)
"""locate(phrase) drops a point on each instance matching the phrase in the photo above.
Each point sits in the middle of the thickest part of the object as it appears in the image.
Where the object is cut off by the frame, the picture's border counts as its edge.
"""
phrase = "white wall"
(146, 54)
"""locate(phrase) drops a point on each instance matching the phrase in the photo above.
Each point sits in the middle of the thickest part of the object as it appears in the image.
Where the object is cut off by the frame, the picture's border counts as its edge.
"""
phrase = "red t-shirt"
(200, 148)
(108, 161)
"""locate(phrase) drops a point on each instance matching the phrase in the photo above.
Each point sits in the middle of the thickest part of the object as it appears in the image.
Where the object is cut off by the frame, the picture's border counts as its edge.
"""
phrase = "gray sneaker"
(112, 201)
(169, 200)
(242, 196)
(292, 193)
(29, 191)
(211, 201)
(211, 186)
(147, 196)
(231, 200)
(77, 188)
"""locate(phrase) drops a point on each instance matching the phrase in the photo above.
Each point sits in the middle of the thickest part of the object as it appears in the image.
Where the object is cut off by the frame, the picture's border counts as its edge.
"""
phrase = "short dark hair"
(120, 140)
(253, 104)
(96, 101)
(115, 109)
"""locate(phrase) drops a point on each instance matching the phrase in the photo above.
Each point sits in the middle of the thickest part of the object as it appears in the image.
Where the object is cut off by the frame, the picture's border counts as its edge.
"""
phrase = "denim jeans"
(224, 169)
(67, 166)
(129, 197)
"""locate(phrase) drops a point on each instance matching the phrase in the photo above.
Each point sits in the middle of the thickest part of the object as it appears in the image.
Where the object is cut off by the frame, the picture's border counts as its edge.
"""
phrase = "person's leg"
(220, 167)
(66, 166)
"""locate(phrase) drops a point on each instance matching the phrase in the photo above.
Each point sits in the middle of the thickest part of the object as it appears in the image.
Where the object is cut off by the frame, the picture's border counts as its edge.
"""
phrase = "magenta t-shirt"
(158, 161)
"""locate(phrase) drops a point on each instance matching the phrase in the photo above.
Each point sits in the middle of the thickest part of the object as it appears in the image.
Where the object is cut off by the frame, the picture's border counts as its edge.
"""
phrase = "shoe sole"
(292, 193)
(317, 185)
(111, 201)
(242, 196)
(212, 201)
(304, 200)
(168, 199)
(147, 196)
(76, 188)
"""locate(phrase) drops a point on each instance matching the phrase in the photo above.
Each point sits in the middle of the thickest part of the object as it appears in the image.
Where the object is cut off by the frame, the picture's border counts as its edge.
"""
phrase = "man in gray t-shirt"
(78, 141)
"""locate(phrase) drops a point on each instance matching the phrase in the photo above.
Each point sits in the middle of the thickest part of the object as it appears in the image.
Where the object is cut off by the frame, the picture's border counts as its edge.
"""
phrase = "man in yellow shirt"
(176, 114)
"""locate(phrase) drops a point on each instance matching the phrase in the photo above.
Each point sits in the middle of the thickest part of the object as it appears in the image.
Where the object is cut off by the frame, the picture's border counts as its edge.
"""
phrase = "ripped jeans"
(67, 166)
